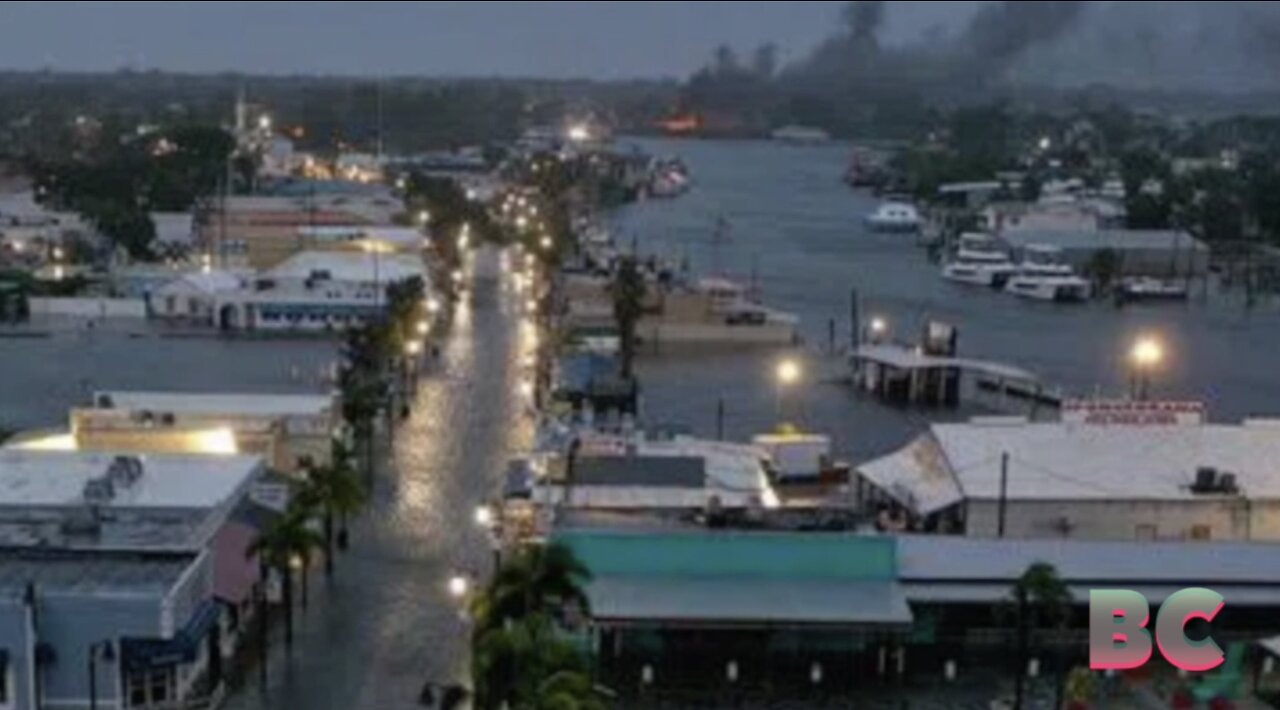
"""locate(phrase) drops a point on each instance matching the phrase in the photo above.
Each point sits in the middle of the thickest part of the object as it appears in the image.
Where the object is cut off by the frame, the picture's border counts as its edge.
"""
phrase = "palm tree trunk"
(328, 542)
(305, 568)
(344, 535)
(1020, 658)
(286, 585)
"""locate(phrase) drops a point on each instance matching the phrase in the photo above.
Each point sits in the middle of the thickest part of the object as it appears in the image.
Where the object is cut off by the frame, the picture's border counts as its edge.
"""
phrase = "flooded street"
(385, 626)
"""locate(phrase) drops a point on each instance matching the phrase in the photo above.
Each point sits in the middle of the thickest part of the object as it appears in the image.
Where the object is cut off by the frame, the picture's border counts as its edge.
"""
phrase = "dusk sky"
(545, 39)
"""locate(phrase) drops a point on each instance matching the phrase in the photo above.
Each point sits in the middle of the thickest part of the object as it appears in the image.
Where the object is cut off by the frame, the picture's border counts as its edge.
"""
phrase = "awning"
(746, 601)
(140, 654)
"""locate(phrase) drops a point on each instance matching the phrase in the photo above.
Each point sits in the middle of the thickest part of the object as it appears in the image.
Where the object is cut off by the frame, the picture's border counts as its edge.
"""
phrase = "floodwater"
(798, 229)
(42, 377)
(386, 625)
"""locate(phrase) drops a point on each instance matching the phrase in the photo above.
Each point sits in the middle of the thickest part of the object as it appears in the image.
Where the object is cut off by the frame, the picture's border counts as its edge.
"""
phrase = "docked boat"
(1043, 275)
(668, 177)
(979, 260)
(895, 217)
(800, 134)
(1148, 288)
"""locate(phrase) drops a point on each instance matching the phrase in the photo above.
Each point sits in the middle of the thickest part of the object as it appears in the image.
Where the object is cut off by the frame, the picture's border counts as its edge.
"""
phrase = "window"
(193, 306)
(150, 687)
(1201, 532)
(1144, 532)
(170, 304)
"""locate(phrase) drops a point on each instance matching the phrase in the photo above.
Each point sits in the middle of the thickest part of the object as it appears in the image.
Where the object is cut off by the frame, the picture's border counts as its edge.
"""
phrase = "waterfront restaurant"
(688, 612)
(1110, 470)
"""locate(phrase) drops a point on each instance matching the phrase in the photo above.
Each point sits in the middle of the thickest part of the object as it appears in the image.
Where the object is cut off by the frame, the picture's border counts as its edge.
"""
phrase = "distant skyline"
(597, 40)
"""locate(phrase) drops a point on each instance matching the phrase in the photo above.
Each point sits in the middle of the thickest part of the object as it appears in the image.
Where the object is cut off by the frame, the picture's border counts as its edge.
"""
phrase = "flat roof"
(640, 471)
(749, 601)
(351, 266)
(902, 357)
(218, 403)
(92, 572)
(58, 478)
(1103, 238)
(957, 569)
(1075, 461)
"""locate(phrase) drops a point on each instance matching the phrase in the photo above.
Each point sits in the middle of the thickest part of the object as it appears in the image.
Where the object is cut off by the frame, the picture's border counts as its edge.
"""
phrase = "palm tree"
(1038, 598)
(363, 392)
(276, 547)
(529, 664)
(335, 491)
(537, 579)
(628, 291)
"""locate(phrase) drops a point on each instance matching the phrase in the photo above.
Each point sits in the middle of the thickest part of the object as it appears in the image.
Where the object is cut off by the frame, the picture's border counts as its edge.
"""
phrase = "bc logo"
(1118, 635)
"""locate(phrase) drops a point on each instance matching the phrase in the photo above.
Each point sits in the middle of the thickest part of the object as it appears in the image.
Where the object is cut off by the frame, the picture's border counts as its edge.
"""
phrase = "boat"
(1149, 288)
(1043, 275)
(668, 177)
(895, 217)
(979, 260)
(800, 134)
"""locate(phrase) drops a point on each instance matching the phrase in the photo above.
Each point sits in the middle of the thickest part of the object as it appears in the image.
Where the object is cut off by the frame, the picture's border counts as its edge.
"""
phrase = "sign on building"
(1122, 412)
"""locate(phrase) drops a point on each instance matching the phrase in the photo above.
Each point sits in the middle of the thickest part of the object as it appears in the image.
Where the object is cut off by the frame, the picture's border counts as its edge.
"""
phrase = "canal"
(795, 229)
(386, 625)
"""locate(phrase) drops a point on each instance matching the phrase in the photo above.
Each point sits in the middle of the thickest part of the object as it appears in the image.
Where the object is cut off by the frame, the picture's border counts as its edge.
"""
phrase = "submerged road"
(386, 625)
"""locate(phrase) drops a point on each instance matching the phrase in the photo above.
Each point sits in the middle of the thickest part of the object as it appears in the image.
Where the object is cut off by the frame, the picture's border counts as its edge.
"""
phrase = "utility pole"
(1004, 493)
(854, 329)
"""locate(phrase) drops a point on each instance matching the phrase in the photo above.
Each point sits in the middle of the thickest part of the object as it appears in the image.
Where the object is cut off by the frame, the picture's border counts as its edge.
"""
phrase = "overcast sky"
(546, 39)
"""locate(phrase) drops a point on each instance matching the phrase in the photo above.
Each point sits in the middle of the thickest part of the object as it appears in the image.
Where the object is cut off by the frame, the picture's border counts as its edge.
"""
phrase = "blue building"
(148, 620)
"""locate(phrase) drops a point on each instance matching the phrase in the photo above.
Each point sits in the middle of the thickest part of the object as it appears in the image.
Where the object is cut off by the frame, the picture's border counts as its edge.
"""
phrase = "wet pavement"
(385, 625)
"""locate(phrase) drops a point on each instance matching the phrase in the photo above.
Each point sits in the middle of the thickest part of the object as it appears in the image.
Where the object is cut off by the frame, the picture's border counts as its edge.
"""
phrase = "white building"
(632, 473)
(193, 297)
(317, 291)
(1148, 471)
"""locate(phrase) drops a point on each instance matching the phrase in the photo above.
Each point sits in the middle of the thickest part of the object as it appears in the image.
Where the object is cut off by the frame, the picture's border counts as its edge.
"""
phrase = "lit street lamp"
(484, 516)
(546, 242)
(459, 585)
(423, 327)
(878, 327)
(1146, 355)
(786, 374)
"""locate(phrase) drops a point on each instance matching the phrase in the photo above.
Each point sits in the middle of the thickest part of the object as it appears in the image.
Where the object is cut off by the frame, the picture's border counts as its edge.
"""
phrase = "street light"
(546, 242)
(423, 327)
(412, 348)
(522, 222)
(1146, 355)
(484, 516)
(423, 217)
(433, 305)
(878, 327)
(459, 585)
(787, 373)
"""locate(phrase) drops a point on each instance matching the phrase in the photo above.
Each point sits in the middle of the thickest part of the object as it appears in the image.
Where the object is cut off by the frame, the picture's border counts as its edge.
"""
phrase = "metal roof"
(223, 404)
(1119, 239)
(746, 601)
(790, 556)
(1070, 461)
(643, 471)
(89, 573)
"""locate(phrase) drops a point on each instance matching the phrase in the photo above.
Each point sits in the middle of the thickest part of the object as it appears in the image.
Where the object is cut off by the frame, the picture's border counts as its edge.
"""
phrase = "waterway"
(796, 231)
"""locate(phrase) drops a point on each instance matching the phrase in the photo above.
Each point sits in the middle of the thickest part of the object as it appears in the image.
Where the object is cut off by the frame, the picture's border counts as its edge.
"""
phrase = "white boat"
(1147, 288)
(979, 260)
(895, 217)
(800, 134)
(1044, 276)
